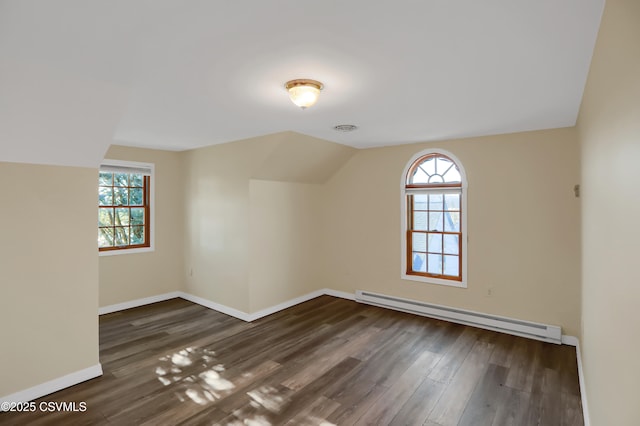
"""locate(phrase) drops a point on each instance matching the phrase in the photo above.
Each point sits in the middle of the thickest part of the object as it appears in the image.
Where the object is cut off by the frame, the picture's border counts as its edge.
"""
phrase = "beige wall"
(133, 276)
(285, 249)
(523, 222)
(217, 221)
(48, 273)
(245, 201)
(253, 243)
(609, 128)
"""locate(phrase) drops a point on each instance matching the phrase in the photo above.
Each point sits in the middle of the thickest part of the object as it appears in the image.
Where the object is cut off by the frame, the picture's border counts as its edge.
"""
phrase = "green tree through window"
(123, 210)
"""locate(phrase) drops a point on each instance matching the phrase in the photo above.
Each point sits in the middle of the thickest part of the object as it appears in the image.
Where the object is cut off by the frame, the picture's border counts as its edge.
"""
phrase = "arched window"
(434, 219)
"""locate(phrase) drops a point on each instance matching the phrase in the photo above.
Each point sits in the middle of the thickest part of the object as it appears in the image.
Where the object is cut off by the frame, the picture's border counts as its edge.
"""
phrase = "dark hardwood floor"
(326, 361)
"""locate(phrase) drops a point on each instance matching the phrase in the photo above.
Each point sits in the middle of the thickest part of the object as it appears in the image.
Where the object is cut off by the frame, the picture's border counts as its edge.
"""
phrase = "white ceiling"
(178, 74)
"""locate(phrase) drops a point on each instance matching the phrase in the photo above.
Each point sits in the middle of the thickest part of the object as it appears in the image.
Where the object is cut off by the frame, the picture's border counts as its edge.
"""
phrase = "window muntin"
(434, 219)
(124, 215)
(433, 170)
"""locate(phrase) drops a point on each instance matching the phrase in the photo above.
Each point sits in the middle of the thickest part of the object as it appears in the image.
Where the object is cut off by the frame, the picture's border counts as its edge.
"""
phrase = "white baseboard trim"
(284, 305)
(244, 316)
(573, 341)
(340, 294)
(215, 306)
(583, 388)
(138, 302)
(54, 385)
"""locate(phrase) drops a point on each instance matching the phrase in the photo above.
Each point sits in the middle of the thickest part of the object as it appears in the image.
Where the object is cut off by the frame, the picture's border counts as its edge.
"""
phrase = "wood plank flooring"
(326, 361)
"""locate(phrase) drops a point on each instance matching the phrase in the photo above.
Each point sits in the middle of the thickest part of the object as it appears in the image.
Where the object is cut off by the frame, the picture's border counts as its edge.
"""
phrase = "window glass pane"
(452, 221)
(122, 235)
(419, 263)
(105, 196)
(442, 165)
(429, 166)
(434, 264)
(136, 180)
(120, 196)
(105, 179)
(135, 196)
(435, 221)
(105, 217)
(419, 176)
(435, 201)
(419, 241)
(105, 237)
(435, 243)
(420, 202)
(121, 179)
(451, 266)
(420, 221)
(137, 216)
(451, 244)
(435, 179)
(137, 235)
(452, 176)
(122, 216)
(452, 201)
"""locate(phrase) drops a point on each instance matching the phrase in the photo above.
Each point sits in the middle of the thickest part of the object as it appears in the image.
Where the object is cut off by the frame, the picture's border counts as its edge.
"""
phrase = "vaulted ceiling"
(78, 75)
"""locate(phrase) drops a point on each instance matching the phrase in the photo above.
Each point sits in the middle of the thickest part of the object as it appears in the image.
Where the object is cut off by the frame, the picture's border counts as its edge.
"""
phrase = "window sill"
(438, 281)
(126, 251)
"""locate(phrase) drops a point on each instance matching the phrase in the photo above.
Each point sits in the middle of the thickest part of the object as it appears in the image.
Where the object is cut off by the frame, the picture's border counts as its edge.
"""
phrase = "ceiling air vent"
(345, 127)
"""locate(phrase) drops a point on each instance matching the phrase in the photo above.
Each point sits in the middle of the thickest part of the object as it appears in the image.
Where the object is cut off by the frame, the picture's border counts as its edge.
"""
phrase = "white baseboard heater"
(532, 330)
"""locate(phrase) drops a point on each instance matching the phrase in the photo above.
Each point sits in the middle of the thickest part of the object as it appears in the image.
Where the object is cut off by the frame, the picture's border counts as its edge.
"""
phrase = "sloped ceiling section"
(173, 74)
(51, 117)
(64, 79)
(298, 158)
(404, 71)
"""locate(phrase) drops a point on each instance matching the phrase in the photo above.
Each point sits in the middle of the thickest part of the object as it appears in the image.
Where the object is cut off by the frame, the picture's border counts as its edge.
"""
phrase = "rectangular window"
(434, 238)
(124, 207)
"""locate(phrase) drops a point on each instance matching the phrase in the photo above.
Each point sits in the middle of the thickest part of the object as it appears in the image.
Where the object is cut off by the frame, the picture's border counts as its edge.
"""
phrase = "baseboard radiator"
(532, 330)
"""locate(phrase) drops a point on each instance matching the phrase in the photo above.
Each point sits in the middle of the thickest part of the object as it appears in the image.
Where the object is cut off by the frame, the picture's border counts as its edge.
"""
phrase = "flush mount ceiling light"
(304, 92)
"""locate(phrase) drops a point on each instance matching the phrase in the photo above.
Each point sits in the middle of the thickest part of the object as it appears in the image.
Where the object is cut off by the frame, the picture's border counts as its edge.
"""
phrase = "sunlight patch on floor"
(267, 397)
(196, 374)
(198, 377)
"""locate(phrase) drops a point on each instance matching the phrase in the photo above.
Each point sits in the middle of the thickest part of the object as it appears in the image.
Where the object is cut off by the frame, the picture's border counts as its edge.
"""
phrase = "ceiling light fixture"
(304, 92)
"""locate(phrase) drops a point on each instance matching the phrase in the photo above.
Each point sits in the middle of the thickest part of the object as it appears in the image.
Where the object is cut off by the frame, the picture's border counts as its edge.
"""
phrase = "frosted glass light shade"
(304, 93)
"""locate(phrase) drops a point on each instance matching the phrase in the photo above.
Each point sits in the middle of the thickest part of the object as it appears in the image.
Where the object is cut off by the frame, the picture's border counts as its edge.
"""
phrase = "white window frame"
(131, 167)
(403, 222)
